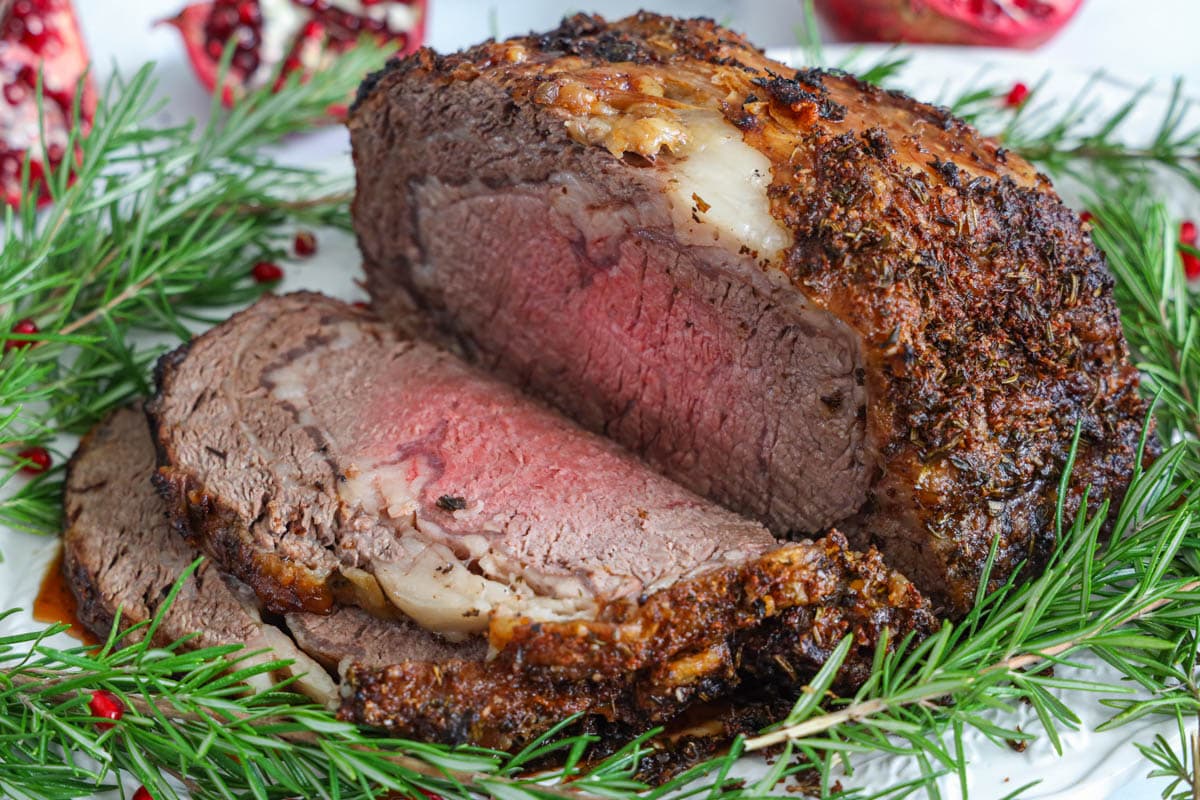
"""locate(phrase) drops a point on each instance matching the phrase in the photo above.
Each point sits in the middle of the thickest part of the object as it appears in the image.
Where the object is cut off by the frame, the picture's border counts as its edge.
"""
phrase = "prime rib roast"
(672, 348)
(324, 460)
(808, 299)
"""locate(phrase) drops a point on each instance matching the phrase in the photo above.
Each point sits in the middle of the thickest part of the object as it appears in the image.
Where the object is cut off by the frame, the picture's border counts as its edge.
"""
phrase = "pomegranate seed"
(249, 14)
(106, 705)
(1085, 216)
(266, 272)
(222, 22)
(25, 326)
(39, 462)
(1187, 232)
(246, 62)
(14, 28)
(305, 244)
(39, 38)
(1017, 95)
(312, 30)
(142, 793)
(15, 93)
(1191, 266)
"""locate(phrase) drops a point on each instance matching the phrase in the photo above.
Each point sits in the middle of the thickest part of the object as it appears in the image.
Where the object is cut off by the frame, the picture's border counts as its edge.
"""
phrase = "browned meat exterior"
(767, 624)
(812, 300)
(119, 552)
(315, 455)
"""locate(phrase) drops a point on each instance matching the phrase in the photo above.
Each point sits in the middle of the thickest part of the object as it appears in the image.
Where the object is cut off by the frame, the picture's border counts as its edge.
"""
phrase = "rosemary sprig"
(1076, 139)
(1090, 598)
(190, 726)
(1157, 309)
(152, 226)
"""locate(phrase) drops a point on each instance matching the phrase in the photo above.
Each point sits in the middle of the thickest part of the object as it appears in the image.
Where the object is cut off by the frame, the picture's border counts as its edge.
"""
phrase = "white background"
(1139, 38)
(1134, 39)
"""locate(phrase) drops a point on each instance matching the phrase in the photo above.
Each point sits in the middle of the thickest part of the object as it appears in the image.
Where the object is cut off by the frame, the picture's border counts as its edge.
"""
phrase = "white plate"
(1095, 765)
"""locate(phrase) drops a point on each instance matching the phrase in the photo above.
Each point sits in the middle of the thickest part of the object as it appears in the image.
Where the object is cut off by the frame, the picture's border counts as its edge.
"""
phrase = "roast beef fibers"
(810, 300)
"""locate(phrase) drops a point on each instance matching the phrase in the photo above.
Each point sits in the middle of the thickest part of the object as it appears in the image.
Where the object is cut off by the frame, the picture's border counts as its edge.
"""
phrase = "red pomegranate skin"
(328, 29)
(1023, 24)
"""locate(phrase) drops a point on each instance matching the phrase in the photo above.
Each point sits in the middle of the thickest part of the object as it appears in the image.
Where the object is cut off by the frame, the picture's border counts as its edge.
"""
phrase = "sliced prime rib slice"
(120, 552)
(759, 627)
(812, 300)
(773, 619)
(317, 457)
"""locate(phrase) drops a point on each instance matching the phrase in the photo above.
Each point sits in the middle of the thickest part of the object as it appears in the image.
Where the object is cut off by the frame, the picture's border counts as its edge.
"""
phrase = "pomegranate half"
(300, 35)
(996, 23)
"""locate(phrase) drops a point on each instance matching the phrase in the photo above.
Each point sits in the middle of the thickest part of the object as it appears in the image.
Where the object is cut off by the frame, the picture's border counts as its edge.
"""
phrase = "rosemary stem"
(863, 710)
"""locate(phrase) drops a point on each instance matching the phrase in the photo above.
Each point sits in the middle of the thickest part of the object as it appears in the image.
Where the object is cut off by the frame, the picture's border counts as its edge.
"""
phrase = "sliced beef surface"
(120, 553)
(317, 456)
(809, 299)
(758, 629)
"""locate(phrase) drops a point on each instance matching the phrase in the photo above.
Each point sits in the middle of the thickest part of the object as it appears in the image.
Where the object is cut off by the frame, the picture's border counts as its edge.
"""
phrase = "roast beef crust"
(760, 627)
(986, 313)
(208, 524)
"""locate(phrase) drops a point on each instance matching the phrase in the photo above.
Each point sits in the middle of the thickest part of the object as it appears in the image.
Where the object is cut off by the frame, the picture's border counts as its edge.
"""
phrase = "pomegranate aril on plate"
(301, 35)
(106, 705)
(266, 272)
(25, 327)
(39, 36)
(1191, 266)
(38, 458)
(1191, 261)
(1017, 95)
(305, 244)
(1187, 232)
